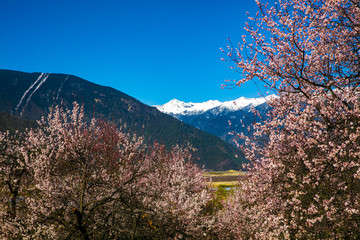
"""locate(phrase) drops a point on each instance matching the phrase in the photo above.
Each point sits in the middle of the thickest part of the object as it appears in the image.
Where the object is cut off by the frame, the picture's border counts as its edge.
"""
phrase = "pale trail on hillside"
(39, 81)
(61, 86)
(26, 92)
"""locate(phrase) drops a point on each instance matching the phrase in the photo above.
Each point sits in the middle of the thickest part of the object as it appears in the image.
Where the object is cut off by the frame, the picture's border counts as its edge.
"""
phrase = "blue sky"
(152, 50)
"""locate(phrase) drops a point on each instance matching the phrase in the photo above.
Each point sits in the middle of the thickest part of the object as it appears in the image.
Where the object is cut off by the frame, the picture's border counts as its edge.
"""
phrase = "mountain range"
(26, 97)
(221, 119)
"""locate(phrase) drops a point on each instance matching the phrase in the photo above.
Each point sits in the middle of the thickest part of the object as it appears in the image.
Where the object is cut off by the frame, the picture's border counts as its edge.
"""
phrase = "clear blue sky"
(152, 50)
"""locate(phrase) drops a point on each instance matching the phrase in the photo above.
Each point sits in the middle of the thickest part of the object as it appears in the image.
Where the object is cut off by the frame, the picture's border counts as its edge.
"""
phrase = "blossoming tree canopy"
(75, 179)
(305, 178)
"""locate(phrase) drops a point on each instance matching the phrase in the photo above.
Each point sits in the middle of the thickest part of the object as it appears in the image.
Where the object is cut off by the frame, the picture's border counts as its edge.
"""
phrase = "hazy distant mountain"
(213, 116)
(32, 95)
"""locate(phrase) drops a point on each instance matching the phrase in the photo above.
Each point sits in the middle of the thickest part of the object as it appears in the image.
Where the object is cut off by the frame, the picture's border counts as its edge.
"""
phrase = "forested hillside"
(33, 95)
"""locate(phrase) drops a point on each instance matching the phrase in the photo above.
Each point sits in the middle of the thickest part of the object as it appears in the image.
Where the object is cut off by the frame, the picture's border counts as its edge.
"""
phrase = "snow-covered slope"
(176, 107)
(213, 116)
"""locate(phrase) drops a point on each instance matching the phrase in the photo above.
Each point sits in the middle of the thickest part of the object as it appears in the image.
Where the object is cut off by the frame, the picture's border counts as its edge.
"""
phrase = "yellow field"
(224, 179)
(225, 173)
(224, 184)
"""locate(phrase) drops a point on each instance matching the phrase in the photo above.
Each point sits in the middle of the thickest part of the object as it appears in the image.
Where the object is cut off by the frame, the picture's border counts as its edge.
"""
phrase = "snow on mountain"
(176, 107)
(179, 107)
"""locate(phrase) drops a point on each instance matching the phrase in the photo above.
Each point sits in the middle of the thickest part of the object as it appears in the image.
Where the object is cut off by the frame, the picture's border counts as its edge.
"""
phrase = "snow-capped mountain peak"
(213, 116)
(177, 107)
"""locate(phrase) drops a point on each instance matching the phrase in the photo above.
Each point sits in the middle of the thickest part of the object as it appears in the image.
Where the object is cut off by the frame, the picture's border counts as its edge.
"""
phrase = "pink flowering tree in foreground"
(15, 183)
(304, 176)
(70, 179)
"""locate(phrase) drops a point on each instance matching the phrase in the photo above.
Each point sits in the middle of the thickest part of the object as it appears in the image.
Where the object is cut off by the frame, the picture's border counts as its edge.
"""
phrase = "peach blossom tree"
(75, 179)
(15, 183)
(304, 176)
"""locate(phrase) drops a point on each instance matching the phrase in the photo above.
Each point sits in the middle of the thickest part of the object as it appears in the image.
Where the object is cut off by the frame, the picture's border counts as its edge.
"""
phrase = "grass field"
(225, 179)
